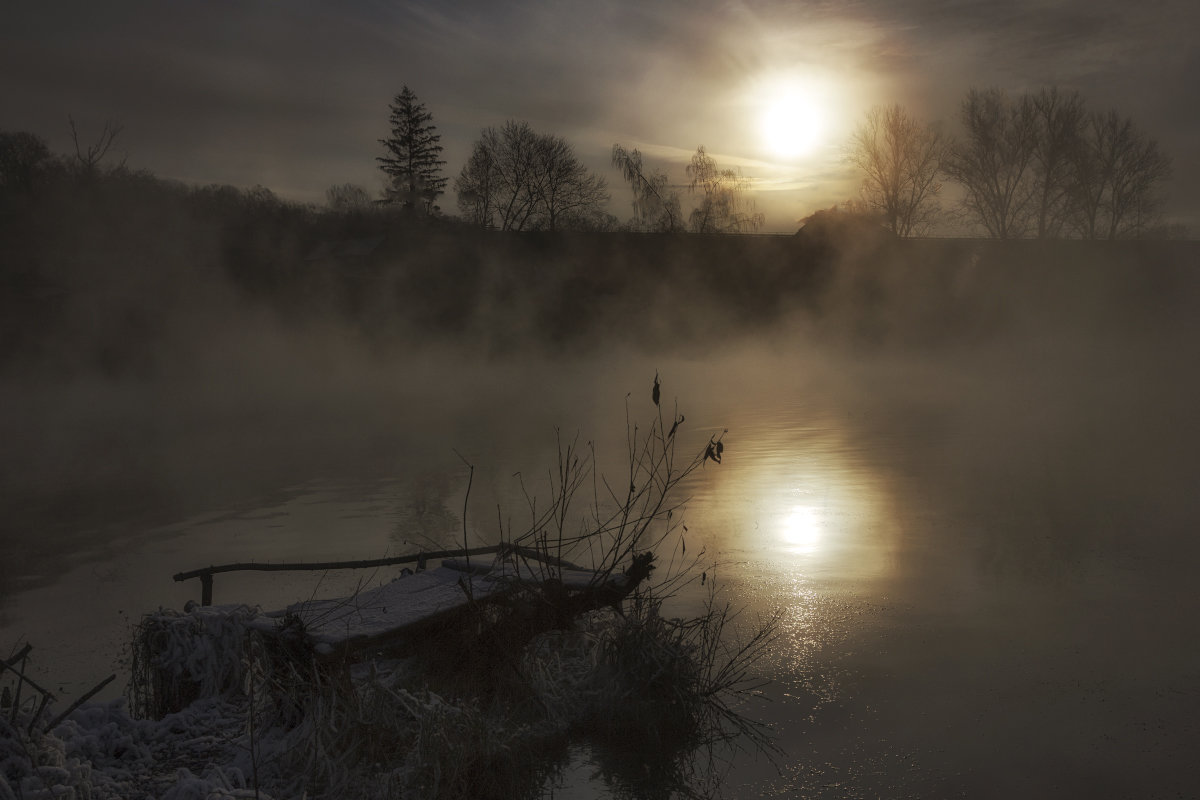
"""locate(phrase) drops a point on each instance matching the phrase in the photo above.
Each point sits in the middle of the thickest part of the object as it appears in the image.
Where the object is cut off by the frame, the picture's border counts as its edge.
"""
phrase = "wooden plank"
(388, 610)
(403, 610)
(526, 573)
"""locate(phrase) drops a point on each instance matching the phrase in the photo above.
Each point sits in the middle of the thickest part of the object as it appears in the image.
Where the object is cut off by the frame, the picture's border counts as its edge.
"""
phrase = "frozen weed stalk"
(487, 702)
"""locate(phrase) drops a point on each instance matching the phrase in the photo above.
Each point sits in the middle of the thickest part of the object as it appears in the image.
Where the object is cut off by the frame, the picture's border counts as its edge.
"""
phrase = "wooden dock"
(400, 612)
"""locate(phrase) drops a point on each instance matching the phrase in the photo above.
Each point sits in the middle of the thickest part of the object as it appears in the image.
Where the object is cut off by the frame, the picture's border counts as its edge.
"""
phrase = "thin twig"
(466, 500)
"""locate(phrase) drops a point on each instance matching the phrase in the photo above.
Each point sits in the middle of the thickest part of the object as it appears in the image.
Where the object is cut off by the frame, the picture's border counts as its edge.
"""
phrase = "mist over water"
(964, 475)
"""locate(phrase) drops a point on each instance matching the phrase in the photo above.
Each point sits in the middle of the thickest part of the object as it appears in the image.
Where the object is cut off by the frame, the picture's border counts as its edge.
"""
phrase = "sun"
(792, 122)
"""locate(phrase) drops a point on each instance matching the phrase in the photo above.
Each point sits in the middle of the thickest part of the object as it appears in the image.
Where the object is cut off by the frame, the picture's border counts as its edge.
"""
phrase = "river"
(982, 552)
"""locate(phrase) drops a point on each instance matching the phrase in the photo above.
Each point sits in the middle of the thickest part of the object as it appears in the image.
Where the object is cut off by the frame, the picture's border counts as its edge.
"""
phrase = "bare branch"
(88, 157)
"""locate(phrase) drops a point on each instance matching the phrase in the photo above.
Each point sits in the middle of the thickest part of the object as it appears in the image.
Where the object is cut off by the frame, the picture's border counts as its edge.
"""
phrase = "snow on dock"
(386, 615)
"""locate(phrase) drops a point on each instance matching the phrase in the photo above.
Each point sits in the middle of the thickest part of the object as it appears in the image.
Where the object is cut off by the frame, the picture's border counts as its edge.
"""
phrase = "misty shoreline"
(129, 287)
(152, 359)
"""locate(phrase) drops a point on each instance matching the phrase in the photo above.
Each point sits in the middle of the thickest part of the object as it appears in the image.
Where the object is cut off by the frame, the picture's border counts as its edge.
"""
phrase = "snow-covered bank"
(102, 752)
(267, 723)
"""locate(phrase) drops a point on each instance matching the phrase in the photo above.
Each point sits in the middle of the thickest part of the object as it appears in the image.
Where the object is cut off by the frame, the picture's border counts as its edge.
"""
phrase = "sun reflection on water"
(801, 529)
(800, 491)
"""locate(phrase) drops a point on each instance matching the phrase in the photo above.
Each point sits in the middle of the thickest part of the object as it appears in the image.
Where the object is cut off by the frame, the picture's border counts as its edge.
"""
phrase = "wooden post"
(206, 589)
(37, 714)
(80, 702)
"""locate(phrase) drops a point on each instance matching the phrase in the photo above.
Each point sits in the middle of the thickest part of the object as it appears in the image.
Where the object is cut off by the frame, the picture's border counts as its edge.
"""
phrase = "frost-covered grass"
(656, 696)
(177, 658)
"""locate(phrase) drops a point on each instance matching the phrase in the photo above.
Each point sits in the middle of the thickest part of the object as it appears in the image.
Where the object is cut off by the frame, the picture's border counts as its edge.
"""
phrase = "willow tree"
(724, 207)
(900, 160)
(655, 205)
(412, 163)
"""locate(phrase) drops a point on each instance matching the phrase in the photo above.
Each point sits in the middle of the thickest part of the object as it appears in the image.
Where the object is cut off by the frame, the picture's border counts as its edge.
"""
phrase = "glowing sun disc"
(792, 124)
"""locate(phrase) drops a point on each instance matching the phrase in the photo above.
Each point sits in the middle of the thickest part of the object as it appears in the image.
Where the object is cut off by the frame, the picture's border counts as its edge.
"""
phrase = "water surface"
(981, 553)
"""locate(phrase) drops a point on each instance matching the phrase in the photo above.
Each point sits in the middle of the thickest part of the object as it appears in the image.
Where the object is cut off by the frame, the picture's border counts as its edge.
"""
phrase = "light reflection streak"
(801, 529)
(797, 490)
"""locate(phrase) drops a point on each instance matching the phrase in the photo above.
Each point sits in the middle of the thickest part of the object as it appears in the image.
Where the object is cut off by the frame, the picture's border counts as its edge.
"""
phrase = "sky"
(293, 95)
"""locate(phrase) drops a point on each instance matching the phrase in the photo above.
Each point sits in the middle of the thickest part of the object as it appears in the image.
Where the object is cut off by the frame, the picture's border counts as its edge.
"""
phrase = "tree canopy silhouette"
(23, 158)
(900, 161)
(1041, 165)
(723, 196)
(88, 156)
(518, 180)
(991, 161)
(1058, 118)
(347, 197)
(1117, 172)
(655, 205)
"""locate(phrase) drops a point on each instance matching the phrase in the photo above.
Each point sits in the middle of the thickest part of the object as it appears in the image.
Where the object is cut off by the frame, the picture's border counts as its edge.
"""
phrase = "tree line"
(1039, 164)
(1036, 165)
(27, 164)
(518, 179)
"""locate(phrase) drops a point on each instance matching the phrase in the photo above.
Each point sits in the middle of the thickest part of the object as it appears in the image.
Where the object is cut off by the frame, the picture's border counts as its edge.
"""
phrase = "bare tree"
(1059, 118)
(900, 160)
(478, 184)
(1118, 170)
(517, 179)
(655, 206)
(723, 198)
(992, 161)
(570, 195)
(496, 186)
(1043, 165)
(88, 157)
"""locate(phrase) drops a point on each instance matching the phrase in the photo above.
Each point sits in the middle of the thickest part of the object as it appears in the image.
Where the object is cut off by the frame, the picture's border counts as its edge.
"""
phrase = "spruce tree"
(412, 162)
